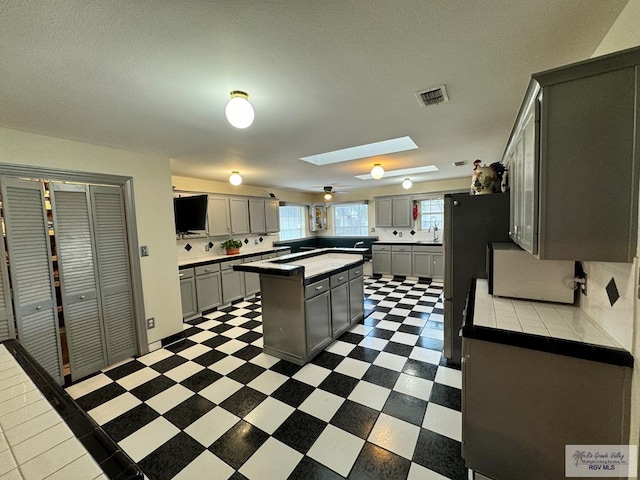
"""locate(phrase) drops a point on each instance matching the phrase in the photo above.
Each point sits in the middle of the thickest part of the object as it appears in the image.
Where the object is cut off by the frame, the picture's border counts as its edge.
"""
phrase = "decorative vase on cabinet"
(483, 180)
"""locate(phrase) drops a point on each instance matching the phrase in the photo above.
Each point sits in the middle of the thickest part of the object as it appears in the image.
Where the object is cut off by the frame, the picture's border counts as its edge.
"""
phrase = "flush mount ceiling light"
(407, 184)
(403, 172)
(327, 194)
(235, 178)
(239, 111)
(377, 171)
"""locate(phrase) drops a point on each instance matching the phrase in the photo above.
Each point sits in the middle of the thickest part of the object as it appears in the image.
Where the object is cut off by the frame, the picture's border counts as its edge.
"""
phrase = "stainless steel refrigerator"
(470, 223)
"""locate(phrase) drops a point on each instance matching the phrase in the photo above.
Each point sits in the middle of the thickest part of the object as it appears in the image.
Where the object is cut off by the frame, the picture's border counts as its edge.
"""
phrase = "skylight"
(385, 147)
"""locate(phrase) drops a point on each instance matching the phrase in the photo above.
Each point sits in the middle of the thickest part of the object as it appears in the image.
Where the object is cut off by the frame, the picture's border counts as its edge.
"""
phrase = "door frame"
(126, 184)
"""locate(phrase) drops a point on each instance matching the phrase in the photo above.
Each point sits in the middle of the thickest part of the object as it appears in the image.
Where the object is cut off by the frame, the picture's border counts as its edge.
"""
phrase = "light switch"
(144, 251)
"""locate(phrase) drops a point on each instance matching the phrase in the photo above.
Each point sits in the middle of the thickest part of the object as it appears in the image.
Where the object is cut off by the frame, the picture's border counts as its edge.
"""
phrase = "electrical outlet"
(256, 241)
(151, 323)
(400, 234)
(206, 247)
(144, 251)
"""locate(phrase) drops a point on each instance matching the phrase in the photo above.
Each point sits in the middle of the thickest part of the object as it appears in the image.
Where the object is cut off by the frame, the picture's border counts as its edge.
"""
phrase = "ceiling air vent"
(460, 163)
(432, 96)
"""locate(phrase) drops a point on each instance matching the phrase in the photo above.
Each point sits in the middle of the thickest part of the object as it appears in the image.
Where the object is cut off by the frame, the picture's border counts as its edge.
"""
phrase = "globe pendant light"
(377, 171)
(235, 178)
(407, 183)
(239, 111)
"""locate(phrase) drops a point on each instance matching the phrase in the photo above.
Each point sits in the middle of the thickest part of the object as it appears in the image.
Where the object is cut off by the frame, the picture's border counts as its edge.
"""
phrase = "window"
(432, 214)
(292, 220)
(351, 219)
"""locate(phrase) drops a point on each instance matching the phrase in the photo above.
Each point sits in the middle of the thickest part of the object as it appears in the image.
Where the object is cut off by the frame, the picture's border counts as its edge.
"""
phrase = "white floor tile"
(208, 466)
(165, 401)
(28, 429)
(322, 405)
(235, 332)
(415, 322)
(449, 376)
(194, 351)
(403, 312)
(261, 465)
(113, 408)
(405, 338)
(269, 414)
(268, 382)
(390, 361)
(374, 343)
(360, 329)
(138, 378)
(90, 385)
(387, 325)
(369, 394)
(422, 309)
(264, 360)
(232, 346)
(236, 322)
(414, 386)
(220, 390)
(202, 336)
(336, 449)
(386, 303)
(144, 441)
(153, 357)
(418, 472)
(443, 420)
(432, 333)
(352, 367)
(426, 355)
(226, 365)
(436, 317)
(53, 460)
(340, 348)
(211, 426)
(83, 467)
(40, 443)
(395, 435)
(312, 374)
(184, 371)
(211, 322)
(25, 413)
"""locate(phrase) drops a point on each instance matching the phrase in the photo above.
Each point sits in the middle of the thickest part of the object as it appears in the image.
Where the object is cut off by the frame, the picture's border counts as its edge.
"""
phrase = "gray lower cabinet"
(428, 265)
(188, 292)
(208, 287)
(381, 259)
(340, 319)
(318, 314)
(438, 265)
(251, 283)
(232, 281)
(401, 260)
(356, 295)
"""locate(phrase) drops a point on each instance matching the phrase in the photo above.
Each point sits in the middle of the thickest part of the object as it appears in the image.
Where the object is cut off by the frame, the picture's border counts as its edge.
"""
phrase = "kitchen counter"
(212, 258)
(407, 242)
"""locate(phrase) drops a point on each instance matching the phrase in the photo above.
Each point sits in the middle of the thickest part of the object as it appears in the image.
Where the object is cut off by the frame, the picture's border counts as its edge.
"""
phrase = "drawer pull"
(357, 272)
(39, 307)
(319, 287)
(81, 297)
(208, 270)
(180, 275)
(340, 278)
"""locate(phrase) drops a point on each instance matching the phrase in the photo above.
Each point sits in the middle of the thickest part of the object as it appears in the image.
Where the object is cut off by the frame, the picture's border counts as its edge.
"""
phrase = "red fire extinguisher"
(415, 211)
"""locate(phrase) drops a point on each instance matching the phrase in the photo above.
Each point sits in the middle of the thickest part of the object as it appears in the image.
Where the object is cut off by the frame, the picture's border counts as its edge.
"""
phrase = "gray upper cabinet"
(239, 213)
(218, 216)
(393, 212)
(264, 215)
(272, 215)
(578, 186)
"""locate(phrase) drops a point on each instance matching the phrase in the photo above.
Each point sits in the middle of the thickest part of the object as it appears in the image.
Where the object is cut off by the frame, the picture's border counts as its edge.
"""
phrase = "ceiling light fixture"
(239, 111)
(377, 171)
(407, 184)
(327, 194)
(235, 178)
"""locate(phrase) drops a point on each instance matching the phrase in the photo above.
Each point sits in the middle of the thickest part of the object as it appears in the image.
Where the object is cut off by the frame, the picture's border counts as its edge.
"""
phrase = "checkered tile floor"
(379, 403)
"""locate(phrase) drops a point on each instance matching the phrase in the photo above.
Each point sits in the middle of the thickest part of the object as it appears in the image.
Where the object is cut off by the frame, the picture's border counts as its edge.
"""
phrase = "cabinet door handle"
(340, 278)
(39, 307)
(320, 287)
(180, 275)
(81, 297)
(208, 270)
(357, 272)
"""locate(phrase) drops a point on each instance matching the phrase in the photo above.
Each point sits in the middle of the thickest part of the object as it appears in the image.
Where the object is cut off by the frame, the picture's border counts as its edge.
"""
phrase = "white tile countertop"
(545, 319)
(221, 258)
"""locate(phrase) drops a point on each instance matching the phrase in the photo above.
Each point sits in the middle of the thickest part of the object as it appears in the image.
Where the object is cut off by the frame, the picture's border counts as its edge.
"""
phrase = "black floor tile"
(405, 407)
(129, 422)
(420, 315)
(430, 343)
(446, 396)
(243, 401)
(248, 352)
(180, 345)
(286, 368)
(404, 306)
(197, 321)
(364, 354)
(191, 331)
(381, 333)
(209, 358)
(398, 349)
(216, 341)
(339, 384)
(251, 324)
(394, 318)
(168, 363)
(420, 369)
(375, 463)
(153, 387)
(124, 370)
(440, 454)
(252, 314)
(350, 337)
(447, 363)
(300, 431)
(381, 376)
(223, 327)
(245, 373)
(328, 360)
(200, 380)
(239, 443)
(100, 396)
(412, 329)
(250, 337)
(187, 412)
(166, 461)
(355, 418)
(293, 392)
(309, 469)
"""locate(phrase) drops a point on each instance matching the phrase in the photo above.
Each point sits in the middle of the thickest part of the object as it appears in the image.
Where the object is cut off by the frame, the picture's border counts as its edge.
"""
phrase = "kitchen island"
(308, 300)
(537, 377)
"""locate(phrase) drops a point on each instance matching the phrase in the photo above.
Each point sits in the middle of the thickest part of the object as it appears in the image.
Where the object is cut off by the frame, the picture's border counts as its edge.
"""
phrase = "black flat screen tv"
(190, 214)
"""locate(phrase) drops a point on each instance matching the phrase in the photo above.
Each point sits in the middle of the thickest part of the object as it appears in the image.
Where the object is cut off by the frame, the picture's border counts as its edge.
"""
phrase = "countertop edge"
(223, 258)
(558, 346)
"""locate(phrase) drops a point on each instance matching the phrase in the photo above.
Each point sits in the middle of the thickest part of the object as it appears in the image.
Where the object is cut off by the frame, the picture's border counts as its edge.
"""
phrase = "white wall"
(153, 204)
(622, 319)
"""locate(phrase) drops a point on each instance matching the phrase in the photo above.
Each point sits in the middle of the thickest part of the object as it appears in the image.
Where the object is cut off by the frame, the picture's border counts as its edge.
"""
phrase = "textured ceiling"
(154, 76)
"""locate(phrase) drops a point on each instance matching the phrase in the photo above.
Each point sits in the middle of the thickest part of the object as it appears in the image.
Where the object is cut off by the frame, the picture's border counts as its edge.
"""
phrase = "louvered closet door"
(7, 330)
(112, 253)
(32, 272)
(78, 278)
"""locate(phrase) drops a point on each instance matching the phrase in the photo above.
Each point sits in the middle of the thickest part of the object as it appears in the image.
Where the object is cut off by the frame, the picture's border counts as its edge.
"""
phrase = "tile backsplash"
(199, 245)
(616, 319)
(404, 235)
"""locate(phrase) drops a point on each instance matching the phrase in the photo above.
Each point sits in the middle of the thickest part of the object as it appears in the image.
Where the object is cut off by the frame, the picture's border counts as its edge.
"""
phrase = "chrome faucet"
(358, 244)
